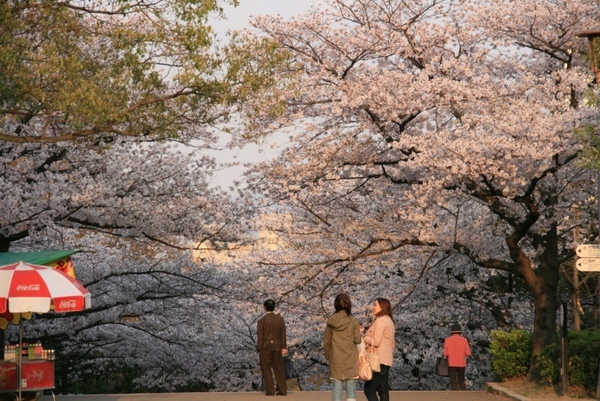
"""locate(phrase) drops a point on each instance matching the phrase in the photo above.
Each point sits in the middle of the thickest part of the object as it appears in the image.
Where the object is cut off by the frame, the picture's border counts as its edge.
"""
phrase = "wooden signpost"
(588, 258)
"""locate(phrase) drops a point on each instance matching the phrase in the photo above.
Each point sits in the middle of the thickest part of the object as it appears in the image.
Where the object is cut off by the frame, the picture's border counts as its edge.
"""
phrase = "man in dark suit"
(271, 347)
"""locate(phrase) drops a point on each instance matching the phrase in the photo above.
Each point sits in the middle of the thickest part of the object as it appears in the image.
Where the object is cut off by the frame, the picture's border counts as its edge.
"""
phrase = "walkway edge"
(496, 388)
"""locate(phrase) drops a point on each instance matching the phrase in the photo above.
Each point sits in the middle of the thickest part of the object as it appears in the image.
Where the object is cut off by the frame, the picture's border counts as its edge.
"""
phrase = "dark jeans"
(379, 384)
(457, 378)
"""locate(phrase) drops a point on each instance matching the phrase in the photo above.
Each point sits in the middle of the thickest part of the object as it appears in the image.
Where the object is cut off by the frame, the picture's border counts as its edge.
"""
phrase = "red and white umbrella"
(25, 287)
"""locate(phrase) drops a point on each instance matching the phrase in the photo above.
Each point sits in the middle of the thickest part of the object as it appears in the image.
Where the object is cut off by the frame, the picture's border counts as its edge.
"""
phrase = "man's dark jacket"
(271, 333)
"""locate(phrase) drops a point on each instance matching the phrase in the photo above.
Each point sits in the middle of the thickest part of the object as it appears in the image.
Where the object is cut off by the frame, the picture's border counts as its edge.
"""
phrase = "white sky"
(237, 18)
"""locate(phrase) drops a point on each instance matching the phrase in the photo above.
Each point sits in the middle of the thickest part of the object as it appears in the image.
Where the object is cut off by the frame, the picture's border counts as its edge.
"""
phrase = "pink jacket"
(456, 348)
(381, 335)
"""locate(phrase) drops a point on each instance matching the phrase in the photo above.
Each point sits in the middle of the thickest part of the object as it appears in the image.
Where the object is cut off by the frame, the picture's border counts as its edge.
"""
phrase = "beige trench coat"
(341, 337)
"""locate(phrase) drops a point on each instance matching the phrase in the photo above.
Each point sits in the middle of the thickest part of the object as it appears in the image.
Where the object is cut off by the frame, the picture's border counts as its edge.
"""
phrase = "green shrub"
(510, 352)
(549, 363)
(584, 350)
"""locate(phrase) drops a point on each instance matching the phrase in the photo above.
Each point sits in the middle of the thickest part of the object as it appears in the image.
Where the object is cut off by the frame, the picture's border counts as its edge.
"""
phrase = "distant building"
(225, 252)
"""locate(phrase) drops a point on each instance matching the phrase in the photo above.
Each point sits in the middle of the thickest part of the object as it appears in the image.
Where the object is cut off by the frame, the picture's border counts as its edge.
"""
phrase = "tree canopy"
(73, 70)
(432, 133)
(432, 161)
(105, 109)
(96, 99)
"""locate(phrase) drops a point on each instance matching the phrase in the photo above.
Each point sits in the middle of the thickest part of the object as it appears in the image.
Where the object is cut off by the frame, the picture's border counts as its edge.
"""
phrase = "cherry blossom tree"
(106, 108)
(430, 133)
(97, 98)
(156, 317)
(429, 293)
(432, 162)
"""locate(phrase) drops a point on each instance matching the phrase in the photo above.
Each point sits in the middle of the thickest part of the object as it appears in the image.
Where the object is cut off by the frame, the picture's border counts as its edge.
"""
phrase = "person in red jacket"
(456, 348)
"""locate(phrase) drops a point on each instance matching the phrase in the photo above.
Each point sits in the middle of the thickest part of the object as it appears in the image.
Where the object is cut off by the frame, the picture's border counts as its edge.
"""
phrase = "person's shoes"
(281, 393)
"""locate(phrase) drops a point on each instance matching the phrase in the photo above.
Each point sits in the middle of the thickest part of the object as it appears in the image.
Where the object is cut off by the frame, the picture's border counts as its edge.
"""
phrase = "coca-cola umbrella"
(26, 287)
(58, 259)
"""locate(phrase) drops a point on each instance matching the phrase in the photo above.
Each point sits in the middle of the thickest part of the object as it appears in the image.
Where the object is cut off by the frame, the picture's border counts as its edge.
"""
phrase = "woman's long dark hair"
(343, 302)
(386, 308)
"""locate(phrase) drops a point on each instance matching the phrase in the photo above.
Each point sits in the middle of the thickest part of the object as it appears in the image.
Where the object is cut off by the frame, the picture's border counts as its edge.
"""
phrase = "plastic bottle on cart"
(30, 349)
(38, 350)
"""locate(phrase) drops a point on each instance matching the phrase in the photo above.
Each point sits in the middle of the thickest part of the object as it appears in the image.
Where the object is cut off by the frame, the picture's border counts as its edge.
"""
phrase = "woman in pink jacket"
(456, 348)
(381, 337)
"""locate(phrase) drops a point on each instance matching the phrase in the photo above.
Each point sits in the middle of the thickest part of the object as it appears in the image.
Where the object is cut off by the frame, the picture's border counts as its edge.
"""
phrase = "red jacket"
(456, 348)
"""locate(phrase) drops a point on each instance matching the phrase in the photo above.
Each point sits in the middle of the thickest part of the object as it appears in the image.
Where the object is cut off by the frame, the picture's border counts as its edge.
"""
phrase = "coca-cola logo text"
(28, 287)
(70, 304)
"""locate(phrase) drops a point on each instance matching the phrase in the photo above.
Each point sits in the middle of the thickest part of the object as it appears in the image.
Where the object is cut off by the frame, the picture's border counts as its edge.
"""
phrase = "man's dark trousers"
(271, 341)
(270, 358)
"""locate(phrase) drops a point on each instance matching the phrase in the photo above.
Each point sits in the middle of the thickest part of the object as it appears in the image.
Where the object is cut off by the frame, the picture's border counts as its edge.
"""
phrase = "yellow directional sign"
(588, 251)
(588, 264)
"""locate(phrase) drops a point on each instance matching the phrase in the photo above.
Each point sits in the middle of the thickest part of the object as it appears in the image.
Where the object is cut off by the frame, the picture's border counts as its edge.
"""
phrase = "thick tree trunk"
(544, 289)
(4, 244)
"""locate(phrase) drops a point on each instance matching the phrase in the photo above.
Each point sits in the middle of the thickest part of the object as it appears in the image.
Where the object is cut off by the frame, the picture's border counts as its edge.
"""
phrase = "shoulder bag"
(364, 367)
(288, 367)
(441, 366)
(374, 360)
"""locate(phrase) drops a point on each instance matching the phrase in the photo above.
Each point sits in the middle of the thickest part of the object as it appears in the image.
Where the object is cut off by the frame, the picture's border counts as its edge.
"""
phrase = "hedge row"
(511, 352)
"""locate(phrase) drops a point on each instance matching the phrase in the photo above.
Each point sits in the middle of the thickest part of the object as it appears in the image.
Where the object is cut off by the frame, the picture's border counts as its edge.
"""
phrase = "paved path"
(292, 396)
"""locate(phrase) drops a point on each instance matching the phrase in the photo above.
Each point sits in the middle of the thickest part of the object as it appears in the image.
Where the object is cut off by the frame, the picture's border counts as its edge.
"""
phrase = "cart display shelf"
(36, 376)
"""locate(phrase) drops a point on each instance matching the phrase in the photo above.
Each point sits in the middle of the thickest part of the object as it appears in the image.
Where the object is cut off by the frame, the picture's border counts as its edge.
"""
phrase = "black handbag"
(441, 366)
(288, 368)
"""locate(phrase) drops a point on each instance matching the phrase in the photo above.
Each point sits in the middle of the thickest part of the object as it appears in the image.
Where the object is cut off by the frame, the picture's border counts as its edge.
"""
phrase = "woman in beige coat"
(381, 338)
(342, 334)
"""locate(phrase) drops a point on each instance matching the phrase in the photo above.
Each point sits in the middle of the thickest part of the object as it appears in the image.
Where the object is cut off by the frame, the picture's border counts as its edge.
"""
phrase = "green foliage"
(583, 360)
(510, 352)
(258, 65)
(590, 155)
(549, 363)
(584, 357)
(126, 69)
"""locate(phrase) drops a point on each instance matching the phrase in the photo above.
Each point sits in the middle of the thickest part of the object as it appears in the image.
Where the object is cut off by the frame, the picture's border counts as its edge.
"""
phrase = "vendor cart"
(37, 376)
(30, 288)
